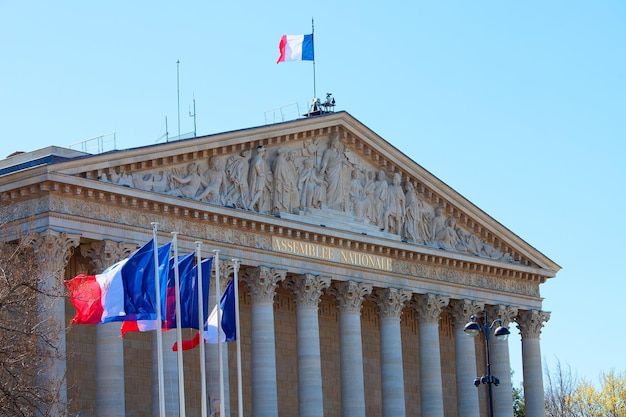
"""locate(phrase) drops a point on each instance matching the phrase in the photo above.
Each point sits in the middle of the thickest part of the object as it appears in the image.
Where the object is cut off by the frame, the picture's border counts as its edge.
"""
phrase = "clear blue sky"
(519, 106)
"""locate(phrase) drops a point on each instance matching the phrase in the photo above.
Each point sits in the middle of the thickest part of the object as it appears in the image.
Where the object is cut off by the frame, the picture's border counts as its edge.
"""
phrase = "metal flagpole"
(179, 336)
(238, 336)
(313, 36)
(201, 330)
(219, 330)
(158, 321)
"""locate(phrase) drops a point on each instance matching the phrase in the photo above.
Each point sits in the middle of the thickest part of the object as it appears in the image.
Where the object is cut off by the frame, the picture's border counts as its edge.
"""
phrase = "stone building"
(358, 272)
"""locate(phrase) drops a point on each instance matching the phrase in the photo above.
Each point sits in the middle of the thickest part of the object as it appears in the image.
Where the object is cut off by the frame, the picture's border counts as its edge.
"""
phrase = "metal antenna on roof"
(193, 115)
(178, 92)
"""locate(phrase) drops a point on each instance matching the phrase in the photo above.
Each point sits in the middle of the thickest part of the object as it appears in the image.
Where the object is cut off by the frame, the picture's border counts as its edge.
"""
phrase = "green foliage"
(566, 396)
(519, 407)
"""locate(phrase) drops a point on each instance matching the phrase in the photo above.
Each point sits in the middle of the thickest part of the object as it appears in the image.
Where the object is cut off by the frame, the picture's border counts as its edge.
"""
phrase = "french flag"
(105, 297)
(296, 48)
(98, 298)
(228, 326)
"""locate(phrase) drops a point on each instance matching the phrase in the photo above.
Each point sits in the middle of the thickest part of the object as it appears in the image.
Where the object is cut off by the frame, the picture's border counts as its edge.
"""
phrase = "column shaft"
(461, 312)
(310, 395)
(352, 381)
(53, 251)
(349, 296)
(501, 363)
(307, 289)
(109, 371)
(262, 283)
(530, 323)
(431, 386)
(428, 308)
(110, 397)
(264, 390)
(390, 302)
(466, 392)
(392, 370)
(534, 399)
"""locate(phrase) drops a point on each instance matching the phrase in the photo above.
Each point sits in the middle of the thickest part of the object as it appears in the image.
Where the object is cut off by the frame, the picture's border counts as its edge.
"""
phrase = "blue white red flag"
(102, 298)
(228, 326)
(296, 48)
(188, 277)
(138, 278)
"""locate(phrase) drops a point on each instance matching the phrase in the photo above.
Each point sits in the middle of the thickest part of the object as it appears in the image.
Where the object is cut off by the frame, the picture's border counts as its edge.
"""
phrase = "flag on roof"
(296, 48)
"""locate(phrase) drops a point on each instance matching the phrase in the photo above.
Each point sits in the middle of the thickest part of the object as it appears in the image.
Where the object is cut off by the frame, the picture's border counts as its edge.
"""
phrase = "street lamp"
(472, 329)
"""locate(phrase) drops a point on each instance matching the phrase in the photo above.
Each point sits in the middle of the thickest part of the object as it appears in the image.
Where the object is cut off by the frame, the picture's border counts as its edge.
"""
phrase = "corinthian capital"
(307, 288)
(429, 307)
(105, 253)
(462, 310)
(53, 250)
(349, 295)
(262, 282)
(505, 313)
(391, 301)
(530, 322)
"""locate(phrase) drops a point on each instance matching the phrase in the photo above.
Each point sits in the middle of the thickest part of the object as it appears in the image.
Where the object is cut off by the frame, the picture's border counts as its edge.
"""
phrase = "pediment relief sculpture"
(314, 177)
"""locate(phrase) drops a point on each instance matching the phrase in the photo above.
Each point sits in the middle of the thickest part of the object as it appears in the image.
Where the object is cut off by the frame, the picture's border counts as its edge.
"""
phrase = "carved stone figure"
(215, 185)
(285, 183)
(159, 183)
(122, 178)
(415, 218)
(260, 181)
(437, 223)
(395, 206)
(469, 243)
(309, 150)
(331, 169)
(191, 183)
(311, 187)
(370, 196)
(143, 181)
(237, 168)
(447, 238)
(357, 200)
(380, 198)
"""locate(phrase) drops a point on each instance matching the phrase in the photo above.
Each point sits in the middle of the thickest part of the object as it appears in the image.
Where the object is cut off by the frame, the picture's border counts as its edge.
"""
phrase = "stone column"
(530, 322)
(390, 302)
(428, 308)
(500, 362)
(109, 345)
(261, 282)
(53, 250)
(349, 295)
(465, 351)
(307, 289)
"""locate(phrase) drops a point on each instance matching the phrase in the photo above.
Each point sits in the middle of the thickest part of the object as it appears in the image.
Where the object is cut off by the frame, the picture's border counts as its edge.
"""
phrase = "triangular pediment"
(329, 171)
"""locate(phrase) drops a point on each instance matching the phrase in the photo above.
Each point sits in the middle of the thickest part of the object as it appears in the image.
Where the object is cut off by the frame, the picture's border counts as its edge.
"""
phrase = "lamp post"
(472, 328)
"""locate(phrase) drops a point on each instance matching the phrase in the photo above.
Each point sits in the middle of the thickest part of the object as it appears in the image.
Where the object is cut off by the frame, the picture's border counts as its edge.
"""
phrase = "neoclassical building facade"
(358, 270)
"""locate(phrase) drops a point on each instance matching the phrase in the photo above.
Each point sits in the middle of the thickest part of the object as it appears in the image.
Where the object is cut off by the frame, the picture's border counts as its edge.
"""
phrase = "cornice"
(116, 197)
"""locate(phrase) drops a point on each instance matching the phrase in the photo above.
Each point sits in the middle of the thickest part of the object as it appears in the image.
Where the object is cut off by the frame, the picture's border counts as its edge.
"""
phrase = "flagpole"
(238, 336)
(201, 330)
(179, 336)
(158, 321)
(219, 330)
(313, 36)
